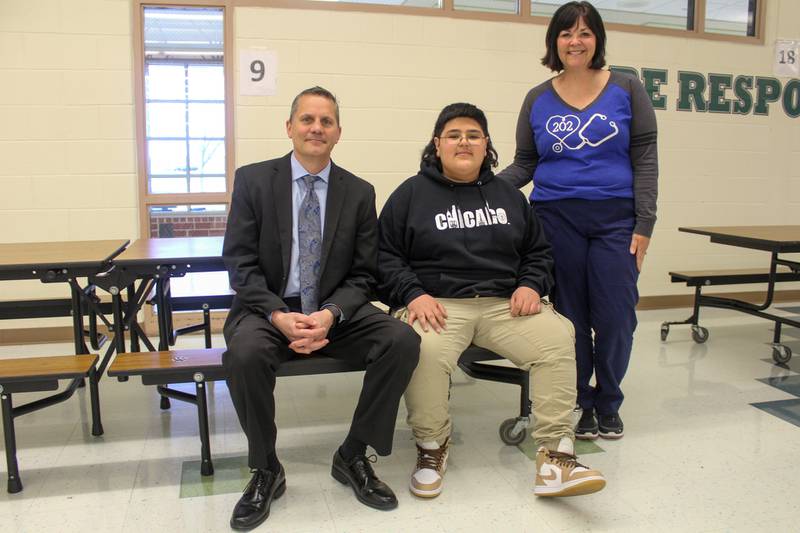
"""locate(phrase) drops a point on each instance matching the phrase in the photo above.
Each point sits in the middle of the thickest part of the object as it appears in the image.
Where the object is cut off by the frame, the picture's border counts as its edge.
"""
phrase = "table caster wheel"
(699, 334)
(781, 354)
(509, 434)
(664, 332)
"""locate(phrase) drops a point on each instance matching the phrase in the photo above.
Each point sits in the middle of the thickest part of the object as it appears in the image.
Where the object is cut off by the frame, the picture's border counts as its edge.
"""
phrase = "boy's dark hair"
(459, 110)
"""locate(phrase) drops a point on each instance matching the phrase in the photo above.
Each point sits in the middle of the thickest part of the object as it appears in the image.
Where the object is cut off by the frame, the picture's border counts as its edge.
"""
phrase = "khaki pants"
(543, 343)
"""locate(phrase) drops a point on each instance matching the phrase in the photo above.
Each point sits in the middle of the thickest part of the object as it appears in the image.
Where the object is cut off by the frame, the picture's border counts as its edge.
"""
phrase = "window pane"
(207, 184)
(492, 6)
(674, 14)
(168, 185)
(731, 17)
(205, 283)
(207, 120)
(206, 82)
(166, 120)
(164, 82)
(185, 99)
(180, 32)
(167, 157)
(207, 157)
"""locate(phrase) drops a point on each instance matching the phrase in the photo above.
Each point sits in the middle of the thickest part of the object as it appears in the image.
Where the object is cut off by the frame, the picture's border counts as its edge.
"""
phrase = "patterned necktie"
(309, 231)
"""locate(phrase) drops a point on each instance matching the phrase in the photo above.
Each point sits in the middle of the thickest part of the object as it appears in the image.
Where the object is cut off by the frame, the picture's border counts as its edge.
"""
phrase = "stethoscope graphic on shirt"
(563, 126)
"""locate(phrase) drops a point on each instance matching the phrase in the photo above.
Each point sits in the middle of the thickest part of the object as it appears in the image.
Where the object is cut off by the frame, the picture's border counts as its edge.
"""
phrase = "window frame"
(524, 16)
(146, 198)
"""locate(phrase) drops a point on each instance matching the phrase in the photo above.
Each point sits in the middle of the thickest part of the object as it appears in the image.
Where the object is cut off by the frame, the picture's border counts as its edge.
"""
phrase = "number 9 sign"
(258, 71)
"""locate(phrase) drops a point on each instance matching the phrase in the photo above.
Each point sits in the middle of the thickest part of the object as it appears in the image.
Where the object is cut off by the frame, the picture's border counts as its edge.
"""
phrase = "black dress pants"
(256, 349)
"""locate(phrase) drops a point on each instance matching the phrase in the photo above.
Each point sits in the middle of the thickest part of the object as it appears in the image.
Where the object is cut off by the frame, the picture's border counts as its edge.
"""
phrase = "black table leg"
(132, 312)
(14, 482)
(207, 325)
(94, 394)
(163, 324)
(77, 319)
(119, 323)
(206, 466)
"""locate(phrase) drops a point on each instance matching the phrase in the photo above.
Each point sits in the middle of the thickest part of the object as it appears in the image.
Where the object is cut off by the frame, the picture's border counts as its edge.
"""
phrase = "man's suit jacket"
(258, 241)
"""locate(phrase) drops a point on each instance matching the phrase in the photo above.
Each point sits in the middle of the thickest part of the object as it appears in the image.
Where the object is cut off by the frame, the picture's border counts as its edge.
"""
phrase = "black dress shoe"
(253, 507)
(368, 488)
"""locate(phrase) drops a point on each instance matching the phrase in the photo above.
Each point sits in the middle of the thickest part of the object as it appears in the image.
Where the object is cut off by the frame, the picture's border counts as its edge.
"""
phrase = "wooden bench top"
(191, 360)
(55, 367)
(186, 362)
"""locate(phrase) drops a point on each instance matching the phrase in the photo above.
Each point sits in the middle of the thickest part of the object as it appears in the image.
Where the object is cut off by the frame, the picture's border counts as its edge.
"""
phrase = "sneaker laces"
(431, 459)
(565, 460)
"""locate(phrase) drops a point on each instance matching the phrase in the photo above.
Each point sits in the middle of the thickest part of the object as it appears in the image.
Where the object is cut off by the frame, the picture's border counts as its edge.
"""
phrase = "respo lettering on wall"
(721, 93)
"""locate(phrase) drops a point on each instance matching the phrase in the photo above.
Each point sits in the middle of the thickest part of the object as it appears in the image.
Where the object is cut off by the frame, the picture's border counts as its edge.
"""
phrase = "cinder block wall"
(67, 147)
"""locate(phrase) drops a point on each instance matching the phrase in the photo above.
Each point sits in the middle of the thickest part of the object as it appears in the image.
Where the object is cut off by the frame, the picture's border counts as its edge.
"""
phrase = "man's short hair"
(315, 91)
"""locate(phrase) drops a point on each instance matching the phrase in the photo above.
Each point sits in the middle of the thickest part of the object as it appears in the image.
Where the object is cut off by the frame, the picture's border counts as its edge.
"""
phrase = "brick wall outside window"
(165, 225)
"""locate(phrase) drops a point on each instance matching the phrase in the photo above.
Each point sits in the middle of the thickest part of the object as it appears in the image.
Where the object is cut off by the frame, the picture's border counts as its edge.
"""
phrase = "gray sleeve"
(644, 158)
(520, 172)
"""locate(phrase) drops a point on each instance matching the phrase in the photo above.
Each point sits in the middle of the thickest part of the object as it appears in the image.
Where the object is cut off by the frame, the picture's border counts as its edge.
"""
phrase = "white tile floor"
(696, 455)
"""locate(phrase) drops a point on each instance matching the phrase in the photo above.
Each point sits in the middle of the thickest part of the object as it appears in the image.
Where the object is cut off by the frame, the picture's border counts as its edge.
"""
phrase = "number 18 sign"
(787, 58)
(258, 72)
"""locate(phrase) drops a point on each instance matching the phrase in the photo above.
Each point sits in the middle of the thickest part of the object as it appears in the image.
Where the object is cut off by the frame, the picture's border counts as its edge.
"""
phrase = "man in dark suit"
(301, 252)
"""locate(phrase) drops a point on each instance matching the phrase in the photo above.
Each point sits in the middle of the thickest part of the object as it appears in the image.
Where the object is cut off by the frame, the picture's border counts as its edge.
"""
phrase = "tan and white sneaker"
(560, 474)
(427, 479)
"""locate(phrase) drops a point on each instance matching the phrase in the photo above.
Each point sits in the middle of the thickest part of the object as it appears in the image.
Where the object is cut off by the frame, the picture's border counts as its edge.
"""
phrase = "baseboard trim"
(52, 334)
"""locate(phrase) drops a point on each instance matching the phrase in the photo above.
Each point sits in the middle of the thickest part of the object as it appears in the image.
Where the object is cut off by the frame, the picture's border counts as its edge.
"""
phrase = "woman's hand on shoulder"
(639, 244)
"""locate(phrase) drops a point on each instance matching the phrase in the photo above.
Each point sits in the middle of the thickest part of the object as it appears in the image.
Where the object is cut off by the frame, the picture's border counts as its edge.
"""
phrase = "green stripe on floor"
(230, 475)
(582, 447)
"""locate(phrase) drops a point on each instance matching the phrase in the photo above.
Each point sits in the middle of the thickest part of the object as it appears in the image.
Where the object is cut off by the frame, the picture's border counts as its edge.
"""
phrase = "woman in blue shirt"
(587, 139)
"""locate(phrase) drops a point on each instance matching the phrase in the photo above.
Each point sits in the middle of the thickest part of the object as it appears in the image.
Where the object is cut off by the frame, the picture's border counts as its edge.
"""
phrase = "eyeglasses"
(471, 138)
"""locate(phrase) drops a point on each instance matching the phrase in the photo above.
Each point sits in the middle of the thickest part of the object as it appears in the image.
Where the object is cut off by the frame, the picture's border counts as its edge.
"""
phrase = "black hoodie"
(459, 240)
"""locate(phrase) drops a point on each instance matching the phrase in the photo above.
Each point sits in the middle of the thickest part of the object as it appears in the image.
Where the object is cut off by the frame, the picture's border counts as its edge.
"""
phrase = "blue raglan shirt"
(583, 154)
(608, 150)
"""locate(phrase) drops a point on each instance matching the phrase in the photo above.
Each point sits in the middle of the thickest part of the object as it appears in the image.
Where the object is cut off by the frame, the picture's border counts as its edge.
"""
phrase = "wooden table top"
(55, 367)
(63, 254)
(771, 238)
(180, 249)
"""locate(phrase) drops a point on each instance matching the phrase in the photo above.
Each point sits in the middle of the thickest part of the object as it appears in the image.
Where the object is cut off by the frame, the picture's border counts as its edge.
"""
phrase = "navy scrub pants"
(595, 276)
